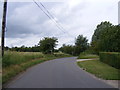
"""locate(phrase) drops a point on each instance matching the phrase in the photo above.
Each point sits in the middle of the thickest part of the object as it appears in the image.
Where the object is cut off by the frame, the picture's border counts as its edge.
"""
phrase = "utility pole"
(3, 26)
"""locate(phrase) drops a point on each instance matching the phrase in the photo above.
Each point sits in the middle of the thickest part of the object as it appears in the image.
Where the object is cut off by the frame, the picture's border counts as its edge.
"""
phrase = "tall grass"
(14, 58)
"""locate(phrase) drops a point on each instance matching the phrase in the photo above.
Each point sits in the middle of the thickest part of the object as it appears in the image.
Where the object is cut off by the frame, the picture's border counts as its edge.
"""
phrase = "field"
(100, 69)
(16, 62)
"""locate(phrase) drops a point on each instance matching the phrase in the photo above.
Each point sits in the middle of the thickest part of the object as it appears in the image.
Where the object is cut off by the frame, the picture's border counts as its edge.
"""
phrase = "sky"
(27, 24)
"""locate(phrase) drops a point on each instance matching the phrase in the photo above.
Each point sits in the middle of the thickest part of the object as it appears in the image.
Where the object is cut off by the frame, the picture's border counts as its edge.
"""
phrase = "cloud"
(1, 15)
(26, 23)
(29, 41)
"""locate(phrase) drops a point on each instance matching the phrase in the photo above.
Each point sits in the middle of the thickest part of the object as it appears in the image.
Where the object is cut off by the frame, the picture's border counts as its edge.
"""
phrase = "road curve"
(58, 73)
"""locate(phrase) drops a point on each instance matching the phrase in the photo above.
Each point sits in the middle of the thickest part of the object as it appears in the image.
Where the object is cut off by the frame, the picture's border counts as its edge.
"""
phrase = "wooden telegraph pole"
(3, 26)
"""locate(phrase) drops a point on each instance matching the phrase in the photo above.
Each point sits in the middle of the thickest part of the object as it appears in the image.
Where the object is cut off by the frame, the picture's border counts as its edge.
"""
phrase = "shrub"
(111, 58)
(61, 55)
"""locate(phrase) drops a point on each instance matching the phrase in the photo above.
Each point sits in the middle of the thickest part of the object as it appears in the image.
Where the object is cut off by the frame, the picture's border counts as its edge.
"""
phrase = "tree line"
(106, 38)
(47, 45)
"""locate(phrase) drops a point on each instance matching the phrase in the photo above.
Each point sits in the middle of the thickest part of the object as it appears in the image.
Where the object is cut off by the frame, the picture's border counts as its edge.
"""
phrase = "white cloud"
(31, 40)
(74, 3)
(76, 16)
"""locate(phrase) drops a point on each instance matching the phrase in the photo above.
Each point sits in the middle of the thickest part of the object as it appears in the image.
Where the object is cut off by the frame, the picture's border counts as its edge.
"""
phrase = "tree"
(47, 44)
(81, 44)
(69, 49)
(110, 39)
(100, 28)
(106, 38)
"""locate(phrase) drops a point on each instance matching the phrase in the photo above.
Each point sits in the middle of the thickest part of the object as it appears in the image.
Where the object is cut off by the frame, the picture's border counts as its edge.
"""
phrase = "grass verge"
(17, 62)
(100, 70)
(87, 56)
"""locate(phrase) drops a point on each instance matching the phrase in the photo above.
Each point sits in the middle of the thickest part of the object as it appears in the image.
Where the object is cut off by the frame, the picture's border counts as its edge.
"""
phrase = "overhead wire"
(51, 17)
(63, 29)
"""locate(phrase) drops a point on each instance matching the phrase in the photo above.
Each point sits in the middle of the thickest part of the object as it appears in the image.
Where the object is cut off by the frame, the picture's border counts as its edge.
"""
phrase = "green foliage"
(110, 39)
(94, 47)
(106, 38)
(81, 44)
(47, 44)
(69, 49)
(100, 69)
(81, 41)
(100, 28)
(110, 58)
(24, 49)
(60, 54)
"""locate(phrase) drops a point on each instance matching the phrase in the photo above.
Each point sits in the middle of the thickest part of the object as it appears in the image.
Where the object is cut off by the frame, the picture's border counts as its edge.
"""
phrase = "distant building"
(119, 13)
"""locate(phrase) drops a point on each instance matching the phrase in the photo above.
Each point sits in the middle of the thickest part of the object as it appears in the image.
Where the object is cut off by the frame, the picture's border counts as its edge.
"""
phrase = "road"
(58, 73)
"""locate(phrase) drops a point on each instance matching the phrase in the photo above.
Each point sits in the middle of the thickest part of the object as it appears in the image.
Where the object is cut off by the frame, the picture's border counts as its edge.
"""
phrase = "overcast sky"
(27, 24)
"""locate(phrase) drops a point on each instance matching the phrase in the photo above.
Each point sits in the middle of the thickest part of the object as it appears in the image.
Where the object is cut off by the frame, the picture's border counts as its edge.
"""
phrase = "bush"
(111, 58)
(60, 54)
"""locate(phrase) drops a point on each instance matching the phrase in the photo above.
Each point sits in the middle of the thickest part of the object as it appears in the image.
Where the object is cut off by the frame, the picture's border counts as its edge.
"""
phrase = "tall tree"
(81, 44)
(100, 28)
(47, 44)
(106, 38)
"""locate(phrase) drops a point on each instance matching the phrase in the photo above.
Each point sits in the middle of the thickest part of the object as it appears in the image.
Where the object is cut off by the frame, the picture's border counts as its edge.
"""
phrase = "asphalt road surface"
(58, 73)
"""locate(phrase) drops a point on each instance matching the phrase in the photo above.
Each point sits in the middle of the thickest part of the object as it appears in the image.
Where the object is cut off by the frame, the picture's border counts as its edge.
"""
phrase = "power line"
(46, 13)
(54, 19)
(42, 9)
(50, 16)
(47, 10)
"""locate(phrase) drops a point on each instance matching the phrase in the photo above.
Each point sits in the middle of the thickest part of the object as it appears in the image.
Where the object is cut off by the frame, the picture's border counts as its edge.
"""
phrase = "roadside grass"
(16, 62)
(0, 72)
(13, 70)
(0, 79)
(15, 58)
(87, 56)
(100, 70)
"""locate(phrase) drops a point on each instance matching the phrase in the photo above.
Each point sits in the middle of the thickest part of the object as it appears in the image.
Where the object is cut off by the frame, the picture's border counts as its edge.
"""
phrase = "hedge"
(110, 58)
